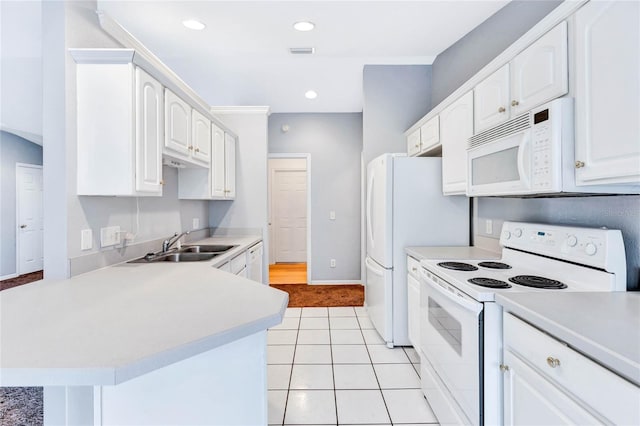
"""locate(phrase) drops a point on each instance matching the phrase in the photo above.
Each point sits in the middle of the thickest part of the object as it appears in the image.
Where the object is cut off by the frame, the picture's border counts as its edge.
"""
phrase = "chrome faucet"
(166, 244)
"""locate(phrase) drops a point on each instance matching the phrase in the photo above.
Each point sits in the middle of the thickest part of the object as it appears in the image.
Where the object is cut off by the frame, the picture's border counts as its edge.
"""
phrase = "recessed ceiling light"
(304, 26)
(193, 24)
(311, 94)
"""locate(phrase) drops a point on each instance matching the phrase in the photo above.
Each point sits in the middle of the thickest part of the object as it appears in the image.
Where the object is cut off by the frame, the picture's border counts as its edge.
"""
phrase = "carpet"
(304, 295)
(22, 279)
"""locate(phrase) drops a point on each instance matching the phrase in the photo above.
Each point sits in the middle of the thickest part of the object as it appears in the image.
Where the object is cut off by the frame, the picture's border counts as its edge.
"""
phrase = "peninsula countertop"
(116, 323)
(601, 325)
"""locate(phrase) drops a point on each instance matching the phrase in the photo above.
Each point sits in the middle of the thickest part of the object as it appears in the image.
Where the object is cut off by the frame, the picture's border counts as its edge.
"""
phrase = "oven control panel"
(598, 247)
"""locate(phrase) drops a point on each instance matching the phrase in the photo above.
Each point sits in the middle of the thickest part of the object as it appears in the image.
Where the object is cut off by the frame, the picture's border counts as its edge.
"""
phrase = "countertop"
(604, 326)
(116, 323)
(445, 253)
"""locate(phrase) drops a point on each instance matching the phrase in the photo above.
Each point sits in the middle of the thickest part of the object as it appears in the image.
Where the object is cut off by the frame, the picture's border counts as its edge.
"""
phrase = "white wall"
(249, 209)
(75, 25)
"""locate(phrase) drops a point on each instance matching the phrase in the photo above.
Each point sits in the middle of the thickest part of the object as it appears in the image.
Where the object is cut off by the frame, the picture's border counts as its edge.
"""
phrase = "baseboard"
(335, 282)
(8, 277)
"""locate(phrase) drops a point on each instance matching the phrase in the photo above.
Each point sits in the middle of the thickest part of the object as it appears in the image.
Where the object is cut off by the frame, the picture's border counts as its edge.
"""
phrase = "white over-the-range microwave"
(530, 155)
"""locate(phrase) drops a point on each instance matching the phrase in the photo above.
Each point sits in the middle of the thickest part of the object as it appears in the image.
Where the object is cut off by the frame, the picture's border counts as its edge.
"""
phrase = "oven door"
(452, 343)
(501, 167)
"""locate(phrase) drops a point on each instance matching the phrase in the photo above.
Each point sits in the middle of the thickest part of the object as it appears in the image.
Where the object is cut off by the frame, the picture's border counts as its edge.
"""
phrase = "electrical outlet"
(86, 239)
(109, 236)
(332, 215)
(333, 263)
(488, 227)
(195, 223)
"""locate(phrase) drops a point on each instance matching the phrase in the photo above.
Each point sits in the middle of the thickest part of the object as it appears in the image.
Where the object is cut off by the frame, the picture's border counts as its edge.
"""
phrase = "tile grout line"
(333, 372)
(295, 346)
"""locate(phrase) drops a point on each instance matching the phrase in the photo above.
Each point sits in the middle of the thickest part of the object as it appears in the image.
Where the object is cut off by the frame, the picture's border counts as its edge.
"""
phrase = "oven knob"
(572, 240)
(506, 235)
(590, 249)
(517, 232)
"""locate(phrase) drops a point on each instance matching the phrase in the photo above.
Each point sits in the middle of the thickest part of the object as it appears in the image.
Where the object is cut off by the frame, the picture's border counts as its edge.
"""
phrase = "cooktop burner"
(537, 282)
(458, 266)
(489, 282)
(494, 265)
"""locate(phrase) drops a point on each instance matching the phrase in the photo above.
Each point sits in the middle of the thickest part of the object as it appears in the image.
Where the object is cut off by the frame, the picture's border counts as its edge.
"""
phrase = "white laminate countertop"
(113, 324)
(447, 253)
(604, 326)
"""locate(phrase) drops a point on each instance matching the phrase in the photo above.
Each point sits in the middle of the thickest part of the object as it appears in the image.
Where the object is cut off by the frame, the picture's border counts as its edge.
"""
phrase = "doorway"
(29, 219)
(289, 218)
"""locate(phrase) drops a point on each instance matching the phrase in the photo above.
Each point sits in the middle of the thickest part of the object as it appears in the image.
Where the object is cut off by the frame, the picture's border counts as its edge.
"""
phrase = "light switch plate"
(332, 215)
(109, 236)
(196, 223)
(488, 227)
(86, 239)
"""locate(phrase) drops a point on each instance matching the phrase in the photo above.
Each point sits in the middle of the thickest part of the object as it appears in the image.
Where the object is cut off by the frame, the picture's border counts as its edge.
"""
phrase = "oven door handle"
(475, 307)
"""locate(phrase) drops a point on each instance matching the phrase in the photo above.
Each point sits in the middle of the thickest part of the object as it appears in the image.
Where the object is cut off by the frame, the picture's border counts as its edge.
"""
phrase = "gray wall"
(70, 25)
(335, 144)
(465, 58)
(471, 53)
(394, 98)
(13, 149)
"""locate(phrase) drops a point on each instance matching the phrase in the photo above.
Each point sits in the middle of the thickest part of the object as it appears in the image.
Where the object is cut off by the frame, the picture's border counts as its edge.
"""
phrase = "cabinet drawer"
(591, 384)
(238, 263)
(413, 267)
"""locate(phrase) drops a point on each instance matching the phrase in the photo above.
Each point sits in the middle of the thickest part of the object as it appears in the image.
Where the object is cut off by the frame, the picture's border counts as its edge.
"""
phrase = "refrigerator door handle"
(369, 218)
(374, 267)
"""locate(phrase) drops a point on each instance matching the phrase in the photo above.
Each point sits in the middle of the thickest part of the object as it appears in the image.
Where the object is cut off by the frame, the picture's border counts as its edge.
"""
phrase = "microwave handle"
(524, 162)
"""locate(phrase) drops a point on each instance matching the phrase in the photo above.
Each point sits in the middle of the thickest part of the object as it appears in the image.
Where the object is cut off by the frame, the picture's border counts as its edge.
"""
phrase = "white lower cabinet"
(413, 301)
(607, 100)
(254, 262)
(120, 130)
(548, 383)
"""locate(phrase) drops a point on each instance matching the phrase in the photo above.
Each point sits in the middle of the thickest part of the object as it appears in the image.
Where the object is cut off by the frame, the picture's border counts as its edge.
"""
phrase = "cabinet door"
(217, 162)
(177, 138)
(149, 133)
(540, 73)
(531, 399)
(608, 93)
(413, 143)
(456, 126)
(491, 100)
(413, 303)
(430, 134)
(230, 166)
(201, 132)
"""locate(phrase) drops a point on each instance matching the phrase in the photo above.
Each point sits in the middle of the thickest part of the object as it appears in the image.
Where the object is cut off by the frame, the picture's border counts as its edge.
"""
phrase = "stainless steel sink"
(206, 248)
(175, 257)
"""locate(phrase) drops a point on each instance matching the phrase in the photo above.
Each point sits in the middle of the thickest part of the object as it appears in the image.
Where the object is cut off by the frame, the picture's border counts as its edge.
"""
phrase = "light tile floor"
(329, 366)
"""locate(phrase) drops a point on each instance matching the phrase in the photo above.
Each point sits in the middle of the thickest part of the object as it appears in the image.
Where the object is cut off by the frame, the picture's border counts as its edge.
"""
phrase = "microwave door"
(501, 167)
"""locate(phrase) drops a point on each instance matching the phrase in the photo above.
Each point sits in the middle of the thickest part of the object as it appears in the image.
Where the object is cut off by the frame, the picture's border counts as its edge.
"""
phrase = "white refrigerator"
(404, 207)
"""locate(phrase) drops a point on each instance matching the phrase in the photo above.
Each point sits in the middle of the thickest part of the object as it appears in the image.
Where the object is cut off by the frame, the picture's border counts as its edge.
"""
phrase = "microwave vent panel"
(515, 125)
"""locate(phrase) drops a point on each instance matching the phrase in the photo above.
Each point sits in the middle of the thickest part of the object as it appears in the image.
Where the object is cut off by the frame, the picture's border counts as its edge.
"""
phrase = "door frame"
(18, 167)
(307, 157)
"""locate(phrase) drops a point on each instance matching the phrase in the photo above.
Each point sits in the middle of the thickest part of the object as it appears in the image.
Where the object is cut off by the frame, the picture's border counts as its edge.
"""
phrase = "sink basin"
(206, 248)
(175, 257)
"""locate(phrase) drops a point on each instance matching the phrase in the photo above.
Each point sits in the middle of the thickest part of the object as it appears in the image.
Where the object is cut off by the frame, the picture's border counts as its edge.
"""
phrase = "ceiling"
(242, 56)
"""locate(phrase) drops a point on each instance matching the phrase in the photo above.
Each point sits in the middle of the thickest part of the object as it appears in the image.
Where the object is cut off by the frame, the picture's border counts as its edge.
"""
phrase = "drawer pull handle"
(501, 109)
(414, 269)
(553, 362)
(504, 368)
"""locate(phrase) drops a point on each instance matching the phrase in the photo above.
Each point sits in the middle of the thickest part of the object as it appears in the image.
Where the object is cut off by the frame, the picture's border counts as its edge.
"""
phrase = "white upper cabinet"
(430, 134)
(607, 105)
(178, 125)
(491, 100)
(540, 72)
(456, 127)
(217, 165)
(201, 132)
(413, 143)
(230, 165)
(120, 128)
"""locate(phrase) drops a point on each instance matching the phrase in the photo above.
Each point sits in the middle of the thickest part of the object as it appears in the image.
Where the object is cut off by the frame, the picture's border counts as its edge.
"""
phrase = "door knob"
(23, 226)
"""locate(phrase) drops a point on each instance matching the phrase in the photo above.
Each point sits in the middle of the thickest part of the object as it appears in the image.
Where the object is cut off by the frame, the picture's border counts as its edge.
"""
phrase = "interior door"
(289, 193)
(29, 219)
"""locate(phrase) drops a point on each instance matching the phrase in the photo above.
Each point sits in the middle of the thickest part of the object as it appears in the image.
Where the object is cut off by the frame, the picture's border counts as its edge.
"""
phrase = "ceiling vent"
(302, 50)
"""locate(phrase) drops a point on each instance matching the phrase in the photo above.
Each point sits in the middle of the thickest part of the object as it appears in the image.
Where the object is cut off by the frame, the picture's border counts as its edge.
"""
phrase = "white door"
(608, 93)
(149, 133)
(29, 219)
(289, 192)
(217, 162)
(379, 210)
(177, 136)
(456, 127)
(491, 100)
(540, 73)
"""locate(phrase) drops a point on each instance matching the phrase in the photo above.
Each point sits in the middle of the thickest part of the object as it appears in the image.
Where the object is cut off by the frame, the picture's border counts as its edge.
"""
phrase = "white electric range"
(461, 325)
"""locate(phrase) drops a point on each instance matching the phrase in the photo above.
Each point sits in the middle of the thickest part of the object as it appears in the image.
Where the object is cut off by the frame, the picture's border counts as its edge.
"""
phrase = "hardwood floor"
(288, 273)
